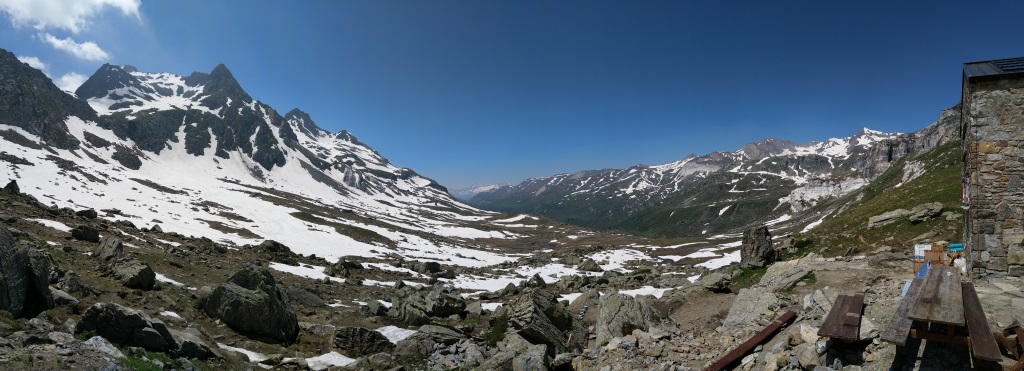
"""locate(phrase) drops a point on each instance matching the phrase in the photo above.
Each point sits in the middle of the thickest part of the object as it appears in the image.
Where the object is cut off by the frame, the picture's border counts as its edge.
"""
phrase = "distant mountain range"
(199, 156)
(773, 181)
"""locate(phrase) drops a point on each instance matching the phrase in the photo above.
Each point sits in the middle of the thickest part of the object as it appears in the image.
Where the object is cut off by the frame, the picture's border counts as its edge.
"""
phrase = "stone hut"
(992, 132)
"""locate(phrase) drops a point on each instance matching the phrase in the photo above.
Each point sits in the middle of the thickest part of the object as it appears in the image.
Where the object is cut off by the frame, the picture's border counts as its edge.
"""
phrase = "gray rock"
(440, 334)
(716, 281)
(757, 250)
(24, 278)
(358, 341)
(375, 308)
(430, 267)
(71, 283)
(156, 228)
(924, 212)
(104, 346)
(750, 307)
(474, 308)
(111, 249)
(62, 298)
(12, 187)
(535, 281)
(508, 348)
(533, 359)
(411, 310)
(277, 251)
(442, 303)
(887, 218)
(87, 213)
(620, 314)
(584, 308)
(305, 297)
(14, 279)
(589, 265)
(85, 233)
(127, 326)
(134, 274)
(537, 316)
(252, 304)
(193, 343)
(807, 355)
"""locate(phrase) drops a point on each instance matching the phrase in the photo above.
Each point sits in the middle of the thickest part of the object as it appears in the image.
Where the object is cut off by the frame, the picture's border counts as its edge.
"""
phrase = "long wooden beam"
(749, 345)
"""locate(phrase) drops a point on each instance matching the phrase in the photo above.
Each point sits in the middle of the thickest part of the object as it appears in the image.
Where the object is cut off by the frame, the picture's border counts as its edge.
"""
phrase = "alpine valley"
(159, 221)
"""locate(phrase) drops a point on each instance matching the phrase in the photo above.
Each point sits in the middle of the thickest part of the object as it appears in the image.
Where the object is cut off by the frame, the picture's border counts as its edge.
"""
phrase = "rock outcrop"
(358, 341)
(538, 317)
(620, 314)
(24, 278)
(757, 248)
(127, 326)
(251, 303)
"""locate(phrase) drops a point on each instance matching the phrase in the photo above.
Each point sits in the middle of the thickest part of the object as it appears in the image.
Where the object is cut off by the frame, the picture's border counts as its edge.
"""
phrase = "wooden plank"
(740, 351)
(941, 299)
(983, 343)
(851, 311)
(832, 326)
(899, 327)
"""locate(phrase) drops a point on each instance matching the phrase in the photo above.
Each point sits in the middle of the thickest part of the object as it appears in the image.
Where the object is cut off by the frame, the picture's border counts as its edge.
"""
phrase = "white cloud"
(70, 81)
(87, 50)
(73, 15)
(33, 62)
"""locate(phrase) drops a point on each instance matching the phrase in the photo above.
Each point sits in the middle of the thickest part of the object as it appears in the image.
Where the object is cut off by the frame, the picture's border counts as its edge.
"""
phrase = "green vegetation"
(940, 182)
(8, 319)
(499, 325)
(808, 278)
(142, 360)
(358, 234)
(748, 277)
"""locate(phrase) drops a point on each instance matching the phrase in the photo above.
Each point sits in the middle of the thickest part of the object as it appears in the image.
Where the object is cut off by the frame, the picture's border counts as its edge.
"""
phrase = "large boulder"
(426, 339)
(251, 303)
(411, 310)
(589, 265)
(277, 251)
(134, 274)
(12, 187)
(538, 317)
(620, 314)
(924, 212)
(110, 249)
(442, 302)
(24, 278)
(127, 326)
(192, 343)
(358, 341)
(716, 281)
(86, 233)
(757, 250)
(887, 218)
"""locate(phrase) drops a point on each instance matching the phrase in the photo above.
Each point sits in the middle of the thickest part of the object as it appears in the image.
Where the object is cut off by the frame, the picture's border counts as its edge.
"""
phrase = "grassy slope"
(940, 182)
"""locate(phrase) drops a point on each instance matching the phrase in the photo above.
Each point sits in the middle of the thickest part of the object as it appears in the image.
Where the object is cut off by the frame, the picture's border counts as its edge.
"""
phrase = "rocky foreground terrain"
(83, 292)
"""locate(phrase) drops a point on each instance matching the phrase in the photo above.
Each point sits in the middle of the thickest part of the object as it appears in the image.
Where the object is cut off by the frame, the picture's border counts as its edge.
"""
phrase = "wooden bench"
(843, 320)
(982, 341)
(899, 327)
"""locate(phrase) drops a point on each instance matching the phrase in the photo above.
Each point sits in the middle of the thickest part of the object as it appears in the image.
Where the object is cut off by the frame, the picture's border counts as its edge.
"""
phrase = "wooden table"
(941, 298)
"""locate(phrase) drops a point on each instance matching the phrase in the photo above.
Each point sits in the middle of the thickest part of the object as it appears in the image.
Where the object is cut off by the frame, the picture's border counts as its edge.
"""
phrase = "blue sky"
(479, 92)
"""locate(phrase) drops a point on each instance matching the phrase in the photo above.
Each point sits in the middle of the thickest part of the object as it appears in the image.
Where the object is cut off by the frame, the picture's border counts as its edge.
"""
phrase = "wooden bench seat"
(843, 320)
(899, 327)
(983, 342)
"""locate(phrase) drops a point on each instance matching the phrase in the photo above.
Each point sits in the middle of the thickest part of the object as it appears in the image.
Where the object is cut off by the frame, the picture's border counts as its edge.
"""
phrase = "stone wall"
(992, 125)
